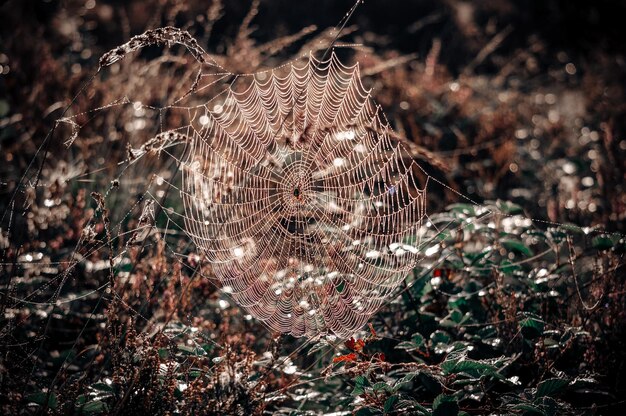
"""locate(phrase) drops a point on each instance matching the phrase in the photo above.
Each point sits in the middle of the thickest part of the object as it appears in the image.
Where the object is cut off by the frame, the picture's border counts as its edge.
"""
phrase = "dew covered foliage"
(514, 112)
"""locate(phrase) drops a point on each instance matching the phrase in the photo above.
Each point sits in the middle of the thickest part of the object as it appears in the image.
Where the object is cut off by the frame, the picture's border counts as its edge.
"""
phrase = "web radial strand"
(305, 205)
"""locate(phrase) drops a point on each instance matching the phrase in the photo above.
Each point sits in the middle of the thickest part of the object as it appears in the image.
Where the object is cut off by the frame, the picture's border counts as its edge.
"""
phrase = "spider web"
(301, 200)
(309, 209)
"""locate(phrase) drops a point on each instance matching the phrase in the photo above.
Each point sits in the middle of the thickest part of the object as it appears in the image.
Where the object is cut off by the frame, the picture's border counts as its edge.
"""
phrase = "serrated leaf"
(467, 366)
(453, 319)
(417, 339)
(360, 382)
(438, 337)
(358, 391)
(380, 386)
(531, 327)
(390, 403)
(445, 405)
(550, 386)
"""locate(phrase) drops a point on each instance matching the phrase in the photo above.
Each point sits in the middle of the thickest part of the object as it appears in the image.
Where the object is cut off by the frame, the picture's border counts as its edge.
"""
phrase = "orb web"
(302, 199)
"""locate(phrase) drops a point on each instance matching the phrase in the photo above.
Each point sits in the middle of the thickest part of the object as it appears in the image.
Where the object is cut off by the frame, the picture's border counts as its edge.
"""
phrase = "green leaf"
(467, 366)
(572, 228)
(445, 236)
(531, 327)
(164, 353)
(380, 386)
(466, 209)
(448, 367)
(41, 397)
(413, 405)
(390, 403)
(445, 405)
(417, 339)
(508, 268)
(439, 337)
(103, 387)
(475, 258)
(509, 208)
(516, 247)
(602, 242)
(360, 383)
(95, 407)
(407, 379)
(550, 386)
(454, 318)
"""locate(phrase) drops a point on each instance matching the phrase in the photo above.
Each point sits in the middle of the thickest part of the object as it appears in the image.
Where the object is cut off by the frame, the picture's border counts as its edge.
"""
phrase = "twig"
(487, 50)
